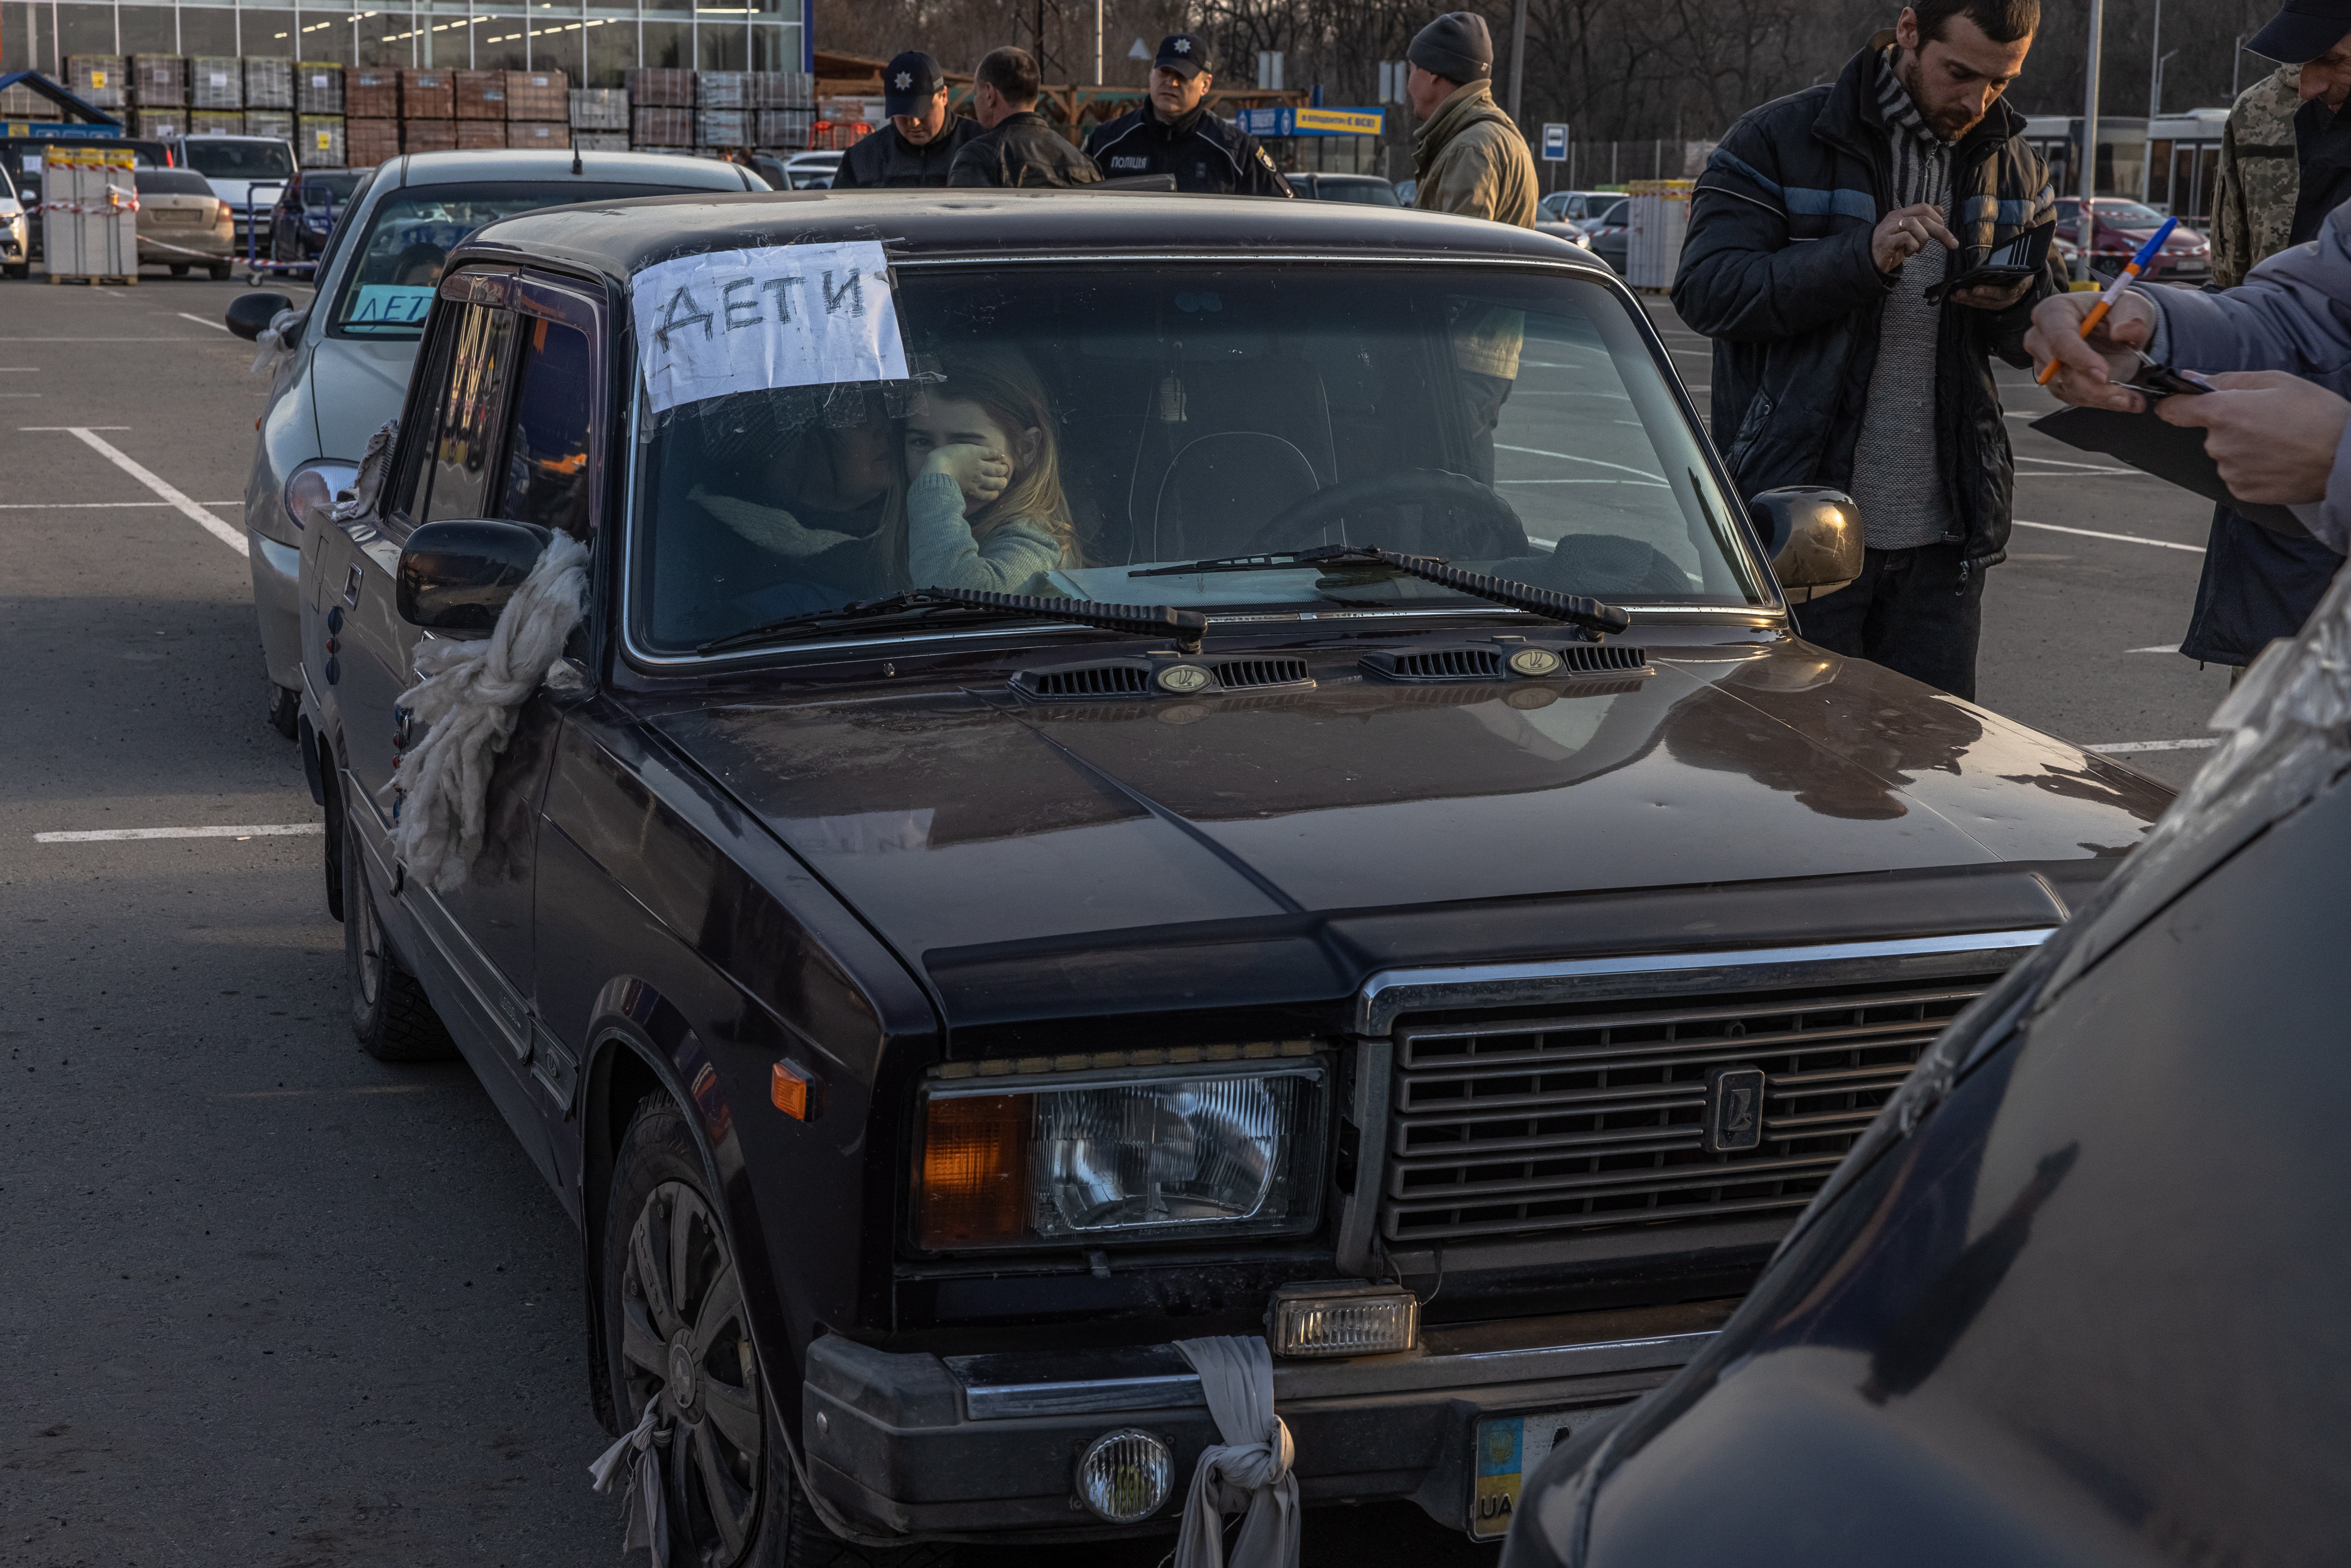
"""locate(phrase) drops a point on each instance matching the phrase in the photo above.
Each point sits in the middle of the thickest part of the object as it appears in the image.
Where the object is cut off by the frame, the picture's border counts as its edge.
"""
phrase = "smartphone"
(2155, 380)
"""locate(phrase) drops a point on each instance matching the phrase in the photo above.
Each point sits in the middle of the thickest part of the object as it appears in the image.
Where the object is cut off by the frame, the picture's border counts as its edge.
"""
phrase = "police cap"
(909, 83)
(1185, 52)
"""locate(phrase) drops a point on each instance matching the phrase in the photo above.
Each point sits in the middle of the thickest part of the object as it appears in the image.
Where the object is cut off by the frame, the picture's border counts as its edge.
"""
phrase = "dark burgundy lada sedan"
(1140, 767)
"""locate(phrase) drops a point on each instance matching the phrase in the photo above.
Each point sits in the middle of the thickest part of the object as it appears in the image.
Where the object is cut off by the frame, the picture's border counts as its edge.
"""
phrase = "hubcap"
(685, 1346)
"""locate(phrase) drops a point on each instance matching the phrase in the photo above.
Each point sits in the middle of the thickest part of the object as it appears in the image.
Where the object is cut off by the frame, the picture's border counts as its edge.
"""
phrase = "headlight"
(315, 485)
(1197, 1142)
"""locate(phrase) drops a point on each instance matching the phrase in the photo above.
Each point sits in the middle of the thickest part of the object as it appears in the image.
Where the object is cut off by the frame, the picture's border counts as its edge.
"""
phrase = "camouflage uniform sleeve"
(2261, 178)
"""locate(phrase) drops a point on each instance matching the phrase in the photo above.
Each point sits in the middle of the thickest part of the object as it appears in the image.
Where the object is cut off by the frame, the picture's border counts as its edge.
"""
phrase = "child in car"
(984, 508)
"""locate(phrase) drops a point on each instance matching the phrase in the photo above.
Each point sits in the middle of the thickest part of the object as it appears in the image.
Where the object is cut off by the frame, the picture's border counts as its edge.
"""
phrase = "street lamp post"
(2085, 226)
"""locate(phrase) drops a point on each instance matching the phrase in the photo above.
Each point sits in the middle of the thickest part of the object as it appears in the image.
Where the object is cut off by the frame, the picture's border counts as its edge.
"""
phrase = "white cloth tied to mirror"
(358, 501)
(275, 339)
(468, 695)
(1250, 1469)
(632, 1467)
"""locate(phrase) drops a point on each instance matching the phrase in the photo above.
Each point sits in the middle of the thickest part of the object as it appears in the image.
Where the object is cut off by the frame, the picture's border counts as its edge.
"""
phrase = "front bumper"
(984, 1447)
(276, 600)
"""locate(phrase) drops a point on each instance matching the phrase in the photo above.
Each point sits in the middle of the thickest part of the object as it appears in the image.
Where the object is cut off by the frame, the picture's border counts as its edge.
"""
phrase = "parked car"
(1610, 232)
(2070, 1299)
(1365, 190)
(16, 229)
(313, 202)
(346, 364)
(811, 170)
(24, 157)
(932, 1006)
(182, 225)
(2117, 230)
(1574, 233)
(1577, 206)
(248, 173)
(1405, 189)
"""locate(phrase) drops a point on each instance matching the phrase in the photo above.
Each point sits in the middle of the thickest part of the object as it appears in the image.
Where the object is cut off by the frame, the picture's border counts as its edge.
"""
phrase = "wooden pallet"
(128, 279)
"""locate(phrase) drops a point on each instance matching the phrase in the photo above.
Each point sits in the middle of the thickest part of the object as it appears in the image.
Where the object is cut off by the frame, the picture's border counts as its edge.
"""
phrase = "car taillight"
(223, 216)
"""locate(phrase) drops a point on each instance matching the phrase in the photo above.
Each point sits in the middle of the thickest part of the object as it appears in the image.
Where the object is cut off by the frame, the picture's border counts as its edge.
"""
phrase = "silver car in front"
(342, 356)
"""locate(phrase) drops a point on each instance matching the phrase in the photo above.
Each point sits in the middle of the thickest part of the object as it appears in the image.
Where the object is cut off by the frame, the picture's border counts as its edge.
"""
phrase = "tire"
(285, 710)
(221, 270)
(180, 269)
(725, 1451)
(19, 271)
(391, 1016)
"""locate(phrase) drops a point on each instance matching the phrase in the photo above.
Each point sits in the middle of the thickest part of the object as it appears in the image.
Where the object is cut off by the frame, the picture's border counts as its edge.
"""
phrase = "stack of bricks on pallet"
(97, 80)
(319, 139)
(428, 111)
(539, 109)
(599, 108)
(159, 81)
(371, 117)
(269, 84)
(216, 83)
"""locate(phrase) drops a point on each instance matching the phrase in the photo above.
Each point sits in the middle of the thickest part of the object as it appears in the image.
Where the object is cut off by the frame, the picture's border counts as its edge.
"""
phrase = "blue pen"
(2123, 279)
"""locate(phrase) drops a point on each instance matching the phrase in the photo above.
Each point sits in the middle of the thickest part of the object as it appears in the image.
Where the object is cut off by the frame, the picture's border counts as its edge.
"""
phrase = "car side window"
(546, 463)
(464, 442)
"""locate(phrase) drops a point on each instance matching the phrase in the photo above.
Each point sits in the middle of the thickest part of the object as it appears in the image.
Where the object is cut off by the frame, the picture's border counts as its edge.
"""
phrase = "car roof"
(611, 168)
(618, 238)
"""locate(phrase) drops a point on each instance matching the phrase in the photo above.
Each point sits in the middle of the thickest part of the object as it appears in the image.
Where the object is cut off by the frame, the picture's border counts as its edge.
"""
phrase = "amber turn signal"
(975, 1177)
(789, 1087)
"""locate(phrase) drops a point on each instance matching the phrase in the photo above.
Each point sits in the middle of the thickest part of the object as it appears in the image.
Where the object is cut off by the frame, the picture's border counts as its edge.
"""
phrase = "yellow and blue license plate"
(1510, 1447)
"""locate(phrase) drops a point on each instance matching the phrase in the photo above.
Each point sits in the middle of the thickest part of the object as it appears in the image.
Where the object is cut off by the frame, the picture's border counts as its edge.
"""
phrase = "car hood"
(961, 820)
(355, 386)
(236, 192)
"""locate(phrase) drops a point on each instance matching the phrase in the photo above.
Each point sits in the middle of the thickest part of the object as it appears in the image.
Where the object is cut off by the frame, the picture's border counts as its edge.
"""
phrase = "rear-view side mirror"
(1813, 538)
(248, 314)
(457, 576)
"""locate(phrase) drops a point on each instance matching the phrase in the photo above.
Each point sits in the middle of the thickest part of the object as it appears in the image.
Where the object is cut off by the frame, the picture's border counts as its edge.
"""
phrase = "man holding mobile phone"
(1818, 237)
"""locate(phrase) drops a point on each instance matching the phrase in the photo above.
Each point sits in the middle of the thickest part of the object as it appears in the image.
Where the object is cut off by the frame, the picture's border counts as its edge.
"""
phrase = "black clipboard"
(2166, 451)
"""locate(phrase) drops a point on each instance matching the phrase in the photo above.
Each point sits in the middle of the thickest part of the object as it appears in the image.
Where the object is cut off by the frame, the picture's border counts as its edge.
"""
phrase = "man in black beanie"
(922, 140)
(1176, 133)
(1472, 161)
(1469, 156)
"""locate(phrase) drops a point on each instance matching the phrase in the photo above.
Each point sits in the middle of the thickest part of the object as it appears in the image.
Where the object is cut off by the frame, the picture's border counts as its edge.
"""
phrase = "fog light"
(1126, 1476)
(1343, 1317)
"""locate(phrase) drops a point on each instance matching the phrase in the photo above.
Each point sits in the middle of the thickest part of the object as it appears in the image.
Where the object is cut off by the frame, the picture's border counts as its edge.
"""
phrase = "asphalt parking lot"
(271, 1303)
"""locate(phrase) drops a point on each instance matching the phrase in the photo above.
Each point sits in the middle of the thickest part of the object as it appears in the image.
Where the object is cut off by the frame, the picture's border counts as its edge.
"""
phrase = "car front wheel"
(677, 1337)
(390, 1016)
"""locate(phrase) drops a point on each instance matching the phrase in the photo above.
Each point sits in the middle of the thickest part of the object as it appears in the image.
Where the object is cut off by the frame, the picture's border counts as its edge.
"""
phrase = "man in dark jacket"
(2286, 163)
(1019, 148)
(1815, 233)
(1175, 133)
(923, 139)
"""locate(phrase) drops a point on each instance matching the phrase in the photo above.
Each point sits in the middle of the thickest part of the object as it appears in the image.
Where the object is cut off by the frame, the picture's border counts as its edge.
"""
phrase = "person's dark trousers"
(1911, 610)
(1482, 397)
(2258, 585)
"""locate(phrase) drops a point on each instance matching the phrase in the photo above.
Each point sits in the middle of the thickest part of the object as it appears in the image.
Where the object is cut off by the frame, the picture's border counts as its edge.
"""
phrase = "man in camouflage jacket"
(2286, 163)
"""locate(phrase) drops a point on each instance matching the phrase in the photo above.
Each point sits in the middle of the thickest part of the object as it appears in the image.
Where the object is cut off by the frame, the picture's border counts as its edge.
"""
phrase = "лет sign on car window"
(780, 316)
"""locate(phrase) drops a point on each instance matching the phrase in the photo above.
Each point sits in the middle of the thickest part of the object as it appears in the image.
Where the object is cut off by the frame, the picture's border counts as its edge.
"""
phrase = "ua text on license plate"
(1510, 1447)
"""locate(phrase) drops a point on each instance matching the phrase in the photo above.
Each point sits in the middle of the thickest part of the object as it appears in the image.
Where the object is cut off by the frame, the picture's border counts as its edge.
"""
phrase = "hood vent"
(1234, 674)
(1491, 662)
(1085, 681)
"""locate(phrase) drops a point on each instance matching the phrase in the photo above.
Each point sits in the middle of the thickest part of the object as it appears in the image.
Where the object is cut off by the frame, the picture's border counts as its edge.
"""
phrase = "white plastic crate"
(1659, 213)
(89, 213)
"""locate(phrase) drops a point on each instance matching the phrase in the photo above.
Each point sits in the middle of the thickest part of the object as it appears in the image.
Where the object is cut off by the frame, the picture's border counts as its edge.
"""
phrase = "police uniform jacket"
(1023, 153)
(883, 158)
(1204, 152)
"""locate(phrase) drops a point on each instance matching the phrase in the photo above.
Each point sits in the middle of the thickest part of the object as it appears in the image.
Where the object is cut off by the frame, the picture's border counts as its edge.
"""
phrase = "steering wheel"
(1470, 520)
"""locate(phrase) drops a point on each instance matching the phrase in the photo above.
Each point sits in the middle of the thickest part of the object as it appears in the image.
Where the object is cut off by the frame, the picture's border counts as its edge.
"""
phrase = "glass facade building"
(593, 43)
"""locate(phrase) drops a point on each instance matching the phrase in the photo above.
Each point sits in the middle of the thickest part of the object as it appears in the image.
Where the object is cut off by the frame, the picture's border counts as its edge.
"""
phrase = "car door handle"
(351, 585)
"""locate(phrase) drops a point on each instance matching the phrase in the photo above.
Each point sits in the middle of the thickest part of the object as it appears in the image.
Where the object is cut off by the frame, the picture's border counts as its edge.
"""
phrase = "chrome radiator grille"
(1571, 1124)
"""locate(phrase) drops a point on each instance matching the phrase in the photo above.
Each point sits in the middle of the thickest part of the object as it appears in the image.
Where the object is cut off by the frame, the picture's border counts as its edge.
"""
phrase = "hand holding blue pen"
(2131, 270)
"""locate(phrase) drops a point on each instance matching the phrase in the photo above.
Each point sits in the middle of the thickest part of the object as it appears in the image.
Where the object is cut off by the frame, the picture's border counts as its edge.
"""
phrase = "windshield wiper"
(1575, 608)
(1151, 619)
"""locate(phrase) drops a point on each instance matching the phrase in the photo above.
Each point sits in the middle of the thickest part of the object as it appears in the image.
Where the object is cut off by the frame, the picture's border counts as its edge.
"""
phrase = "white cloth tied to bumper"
(1250, 1469)
(469, 695)
(632, 1467)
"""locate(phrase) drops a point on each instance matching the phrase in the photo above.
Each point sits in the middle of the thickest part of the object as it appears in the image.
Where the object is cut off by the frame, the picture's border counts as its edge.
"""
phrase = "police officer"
(922, 137)
(1175, 133)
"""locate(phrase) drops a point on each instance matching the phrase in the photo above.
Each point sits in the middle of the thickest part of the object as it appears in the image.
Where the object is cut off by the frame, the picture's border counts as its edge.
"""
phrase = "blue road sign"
(1554, 143)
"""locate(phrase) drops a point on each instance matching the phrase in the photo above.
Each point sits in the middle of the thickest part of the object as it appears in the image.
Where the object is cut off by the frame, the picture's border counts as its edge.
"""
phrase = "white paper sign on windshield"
(780, 316)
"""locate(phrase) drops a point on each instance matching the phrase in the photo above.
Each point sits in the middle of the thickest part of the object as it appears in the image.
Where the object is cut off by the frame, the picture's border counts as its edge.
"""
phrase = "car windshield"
(1064, 430)
(2129, 215)
(1369, 192)
(239, 159)
(410, 233)
(319, 189)
(171, 182)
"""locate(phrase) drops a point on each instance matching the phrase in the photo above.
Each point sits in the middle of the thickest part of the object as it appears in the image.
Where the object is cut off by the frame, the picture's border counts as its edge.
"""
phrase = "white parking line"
(1572, 457)
(124, 460)
(2095, 534)
(2158, 648)
(200, 320)
(113, 835)
(2116, 749)
(95, 506)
